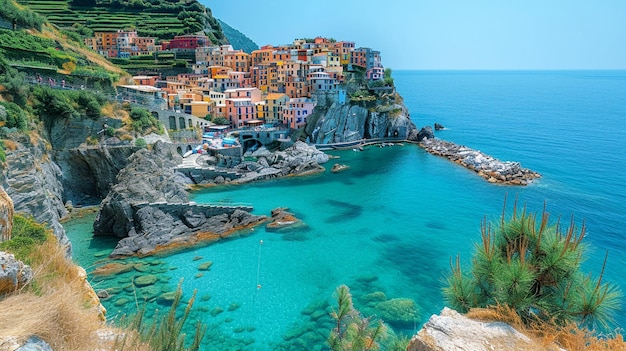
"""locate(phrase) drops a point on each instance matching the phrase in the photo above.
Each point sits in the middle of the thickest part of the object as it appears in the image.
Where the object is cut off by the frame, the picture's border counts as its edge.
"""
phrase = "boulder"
(338, 167)
(451, 331)
(14, 274)
(281, 219)
(145, 280)
(439, 127)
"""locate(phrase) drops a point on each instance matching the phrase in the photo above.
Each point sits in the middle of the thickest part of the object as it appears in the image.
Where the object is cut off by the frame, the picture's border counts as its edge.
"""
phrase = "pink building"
(296, 112)
(239, 111)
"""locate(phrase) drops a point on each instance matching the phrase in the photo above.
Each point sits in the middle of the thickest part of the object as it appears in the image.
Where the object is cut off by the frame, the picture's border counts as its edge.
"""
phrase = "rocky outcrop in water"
(6, 215)
(148, 177)
(14, 274)
(159, 227)
(491, 169)
(425, 133)
(33, 181)
(450, 331)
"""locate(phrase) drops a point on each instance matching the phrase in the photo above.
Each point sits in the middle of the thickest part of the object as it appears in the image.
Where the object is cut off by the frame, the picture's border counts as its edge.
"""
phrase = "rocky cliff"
(342, 123)
(33, 181)
(148, 177)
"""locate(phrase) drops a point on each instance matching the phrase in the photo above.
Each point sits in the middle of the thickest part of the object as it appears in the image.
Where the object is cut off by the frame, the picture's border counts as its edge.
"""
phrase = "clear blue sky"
(448, 34)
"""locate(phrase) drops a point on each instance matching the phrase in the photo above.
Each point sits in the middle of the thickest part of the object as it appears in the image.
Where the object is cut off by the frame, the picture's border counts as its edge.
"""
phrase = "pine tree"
(533, 267)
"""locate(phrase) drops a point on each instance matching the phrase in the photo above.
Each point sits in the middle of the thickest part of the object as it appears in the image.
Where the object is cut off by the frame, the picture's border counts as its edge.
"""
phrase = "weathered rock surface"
(425, 133)
(89, 173)
(491, 169)
(34, 343)
(33, 182)
(14, 274)
(450, 331)
(282, 219)
(147, 178)
(345, 123)
(6, 215)
(168, 226)
(299, 159)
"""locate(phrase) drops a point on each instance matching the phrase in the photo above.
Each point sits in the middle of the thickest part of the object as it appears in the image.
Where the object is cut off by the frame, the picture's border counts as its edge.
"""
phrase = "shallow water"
(392, 222)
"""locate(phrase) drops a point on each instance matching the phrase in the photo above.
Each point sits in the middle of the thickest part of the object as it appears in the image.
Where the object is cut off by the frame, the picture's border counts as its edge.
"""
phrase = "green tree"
(220, 120)
(352, 331)
(533, 267)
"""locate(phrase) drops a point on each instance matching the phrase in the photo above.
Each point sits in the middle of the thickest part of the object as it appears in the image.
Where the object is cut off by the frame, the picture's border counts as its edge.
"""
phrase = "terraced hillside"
(153, 18)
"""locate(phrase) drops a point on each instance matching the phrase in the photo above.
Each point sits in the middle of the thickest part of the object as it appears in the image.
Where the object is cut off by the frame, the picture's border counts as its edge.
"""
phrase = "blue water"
(392, 222)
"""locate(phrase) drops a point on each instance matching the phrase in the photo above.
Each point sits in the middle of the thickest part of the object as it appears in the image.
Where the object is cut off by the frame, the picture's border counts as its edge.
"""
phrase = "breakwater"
(488, 167)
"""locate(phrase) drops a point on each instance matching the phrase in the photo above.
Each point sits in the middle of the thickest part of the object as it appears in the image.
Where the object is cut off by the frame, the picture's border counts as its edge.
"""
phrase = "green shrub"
(533, 268)
(3, 155)
(15, 117)
(141, 143)
(27, 233)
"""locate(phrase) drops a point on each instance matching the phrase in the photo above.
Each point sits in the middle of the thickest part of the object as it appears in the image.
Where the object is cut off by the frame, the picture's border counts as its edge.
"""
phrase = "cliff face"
(341, 123)
(33, 181)
(147, 178)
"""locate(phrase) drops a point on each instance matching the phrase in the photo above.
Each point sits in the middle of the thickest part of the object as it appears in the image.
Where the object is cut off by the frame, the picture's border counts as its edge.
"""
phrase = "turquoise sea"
(393, 221)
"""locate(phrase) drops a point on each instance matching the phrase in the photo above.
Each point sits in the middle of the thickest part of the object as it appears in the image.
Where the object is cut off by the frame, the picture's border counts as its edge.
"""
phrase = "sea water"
(390, 225)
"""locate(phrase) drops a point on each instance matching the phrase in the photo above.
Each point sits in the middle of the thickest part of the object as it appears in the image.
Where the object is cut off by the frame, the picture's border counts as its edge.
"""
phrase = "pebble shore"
(488, 167)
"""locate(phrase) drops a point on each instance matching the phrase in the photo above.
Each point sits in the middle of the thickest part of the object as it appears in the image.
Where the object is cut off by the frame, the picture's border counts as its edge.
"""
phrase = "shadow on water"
(386, 238)
(347, 211)
(436, 225)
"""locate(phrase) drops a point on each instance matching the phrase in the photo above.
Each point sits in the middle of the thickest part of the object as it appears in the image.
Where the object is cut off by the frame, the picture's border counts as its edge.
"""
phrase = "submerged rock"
(399, 312)
(337, 167)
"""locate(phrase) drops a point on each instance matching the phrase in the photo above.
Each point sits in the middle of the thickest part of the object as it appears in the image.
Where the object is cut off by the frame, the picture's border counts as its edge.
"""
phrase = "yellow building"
(274, 104)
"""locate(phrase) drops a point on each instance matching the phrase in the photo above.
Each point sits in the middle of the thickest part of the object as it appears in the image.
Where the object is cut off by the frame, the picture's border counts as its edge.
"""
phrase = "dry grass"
(10, 145)
(569, 337)
(58, 307)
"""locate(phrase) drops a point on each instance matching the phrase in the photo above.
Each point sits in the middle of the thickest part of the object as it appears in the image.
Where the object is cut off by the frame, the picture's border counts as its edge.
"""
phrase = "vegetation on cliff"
(151, 18)
(533, 267)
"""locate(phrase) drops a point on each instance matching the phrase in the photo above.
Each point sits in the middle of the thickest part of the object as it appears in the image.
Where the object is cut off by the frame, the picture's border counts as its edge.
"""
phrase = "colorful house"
(296, 112)
(274, 104)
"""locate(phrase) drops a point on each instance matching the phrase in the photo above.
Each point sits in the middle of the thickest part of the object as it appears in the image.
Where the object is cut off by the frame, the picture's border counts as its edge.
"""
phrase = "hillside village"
(278, 85)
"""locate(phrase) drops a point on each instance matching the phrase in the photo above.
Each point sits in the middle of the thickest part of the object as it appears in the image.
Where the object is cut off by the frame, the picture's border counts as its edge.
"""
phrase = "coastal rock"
(281, 219)
(14, 274)
(33, 181)
(342, 123)
(450, 331)
(169, 226)
(491, 169)
(89, 173)
(148, 177)
(425, 133)
(337, 167)
(439, 127)
(6, 216)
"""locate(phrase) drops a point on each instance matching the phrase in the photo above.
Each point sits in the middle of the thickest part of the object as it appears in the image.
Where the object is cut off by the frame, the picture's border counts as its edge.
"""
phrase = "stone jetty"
(492, 169)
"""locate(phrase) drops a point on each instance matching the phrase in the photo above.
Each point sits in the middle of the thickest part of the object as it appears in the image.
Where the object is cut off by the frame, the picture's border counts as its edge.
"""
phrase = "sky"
(447, 34)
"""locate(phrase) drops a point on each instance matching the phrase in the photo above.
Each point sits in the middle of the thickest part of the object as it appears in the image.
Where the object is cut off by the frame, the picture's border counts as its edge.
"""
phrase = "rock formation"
(147, 178)
(158, 227)
(282, 219)
(491, 169)
(425, 133)
(341, 123)
(33, 181)
(14, 274)
(6, 216)
(450, 331)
